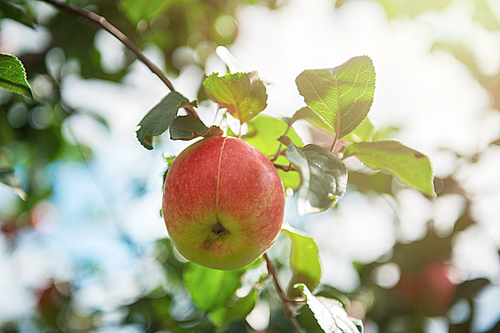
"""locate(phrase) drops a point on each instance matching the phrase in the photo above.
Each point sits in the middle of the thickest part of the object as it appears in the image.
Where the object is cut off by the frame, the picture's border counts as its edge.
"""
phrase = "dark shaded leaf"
(323, 176)
(8, 9)
(160, 117)
(187, 127)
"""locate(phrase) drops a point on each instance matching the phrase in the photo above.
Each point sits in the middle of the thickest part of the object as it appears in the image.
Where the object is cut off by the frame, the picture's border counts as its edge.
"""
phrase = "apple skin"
(223, 203)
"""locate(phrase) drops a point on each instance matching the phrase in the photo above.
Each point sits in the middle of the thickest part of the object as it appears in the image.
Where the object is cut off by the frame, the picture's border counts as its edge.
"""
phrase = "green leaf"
(13, 75)
(306, 113)
(407, 165)
(160, 117)
(304, 260)
(364, 132)
(137, 10)
(341, 96)
(187, 127)
(323, 177)
(224, 316)
(330, 314)
(211, 289)
(263, 132)
(19, 14)
(242, 94)
(11, 181)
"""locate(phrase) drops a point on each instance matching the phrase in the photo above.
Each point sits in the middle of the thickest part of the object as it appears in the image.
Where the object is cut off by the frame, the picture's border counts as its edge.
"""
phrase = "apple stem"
(290, 313)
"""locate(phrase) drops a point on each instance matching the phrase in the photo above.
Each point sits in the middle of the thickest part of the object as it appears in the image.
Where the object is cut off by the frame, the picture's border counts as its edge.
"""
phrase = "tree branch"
(104, 24)
(287, 300)
(285, 168)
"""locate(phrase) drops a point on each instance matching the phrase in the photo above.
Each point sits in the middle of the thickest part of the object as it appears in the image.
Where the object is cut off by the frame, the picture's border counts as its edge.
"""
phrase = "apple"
(223, 203)
(429, 290)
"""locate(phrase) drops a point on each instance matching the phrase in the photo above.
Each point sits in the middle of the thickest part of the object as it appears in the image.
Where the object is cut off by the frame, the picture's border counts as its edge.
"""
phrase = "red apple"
(223, 203)
(429, 290)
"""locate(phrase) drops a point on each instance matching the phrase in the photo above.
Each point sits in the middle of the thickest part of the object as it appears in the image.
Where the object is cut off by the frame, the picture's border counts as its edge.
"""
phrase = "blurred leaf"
(304, 260)
(224, 316)
(242, 94)
(330, 314)
(343, 95)
(364, 132)
(264, 131)
(410, 7)
(11, 181)
(408, 165)
(413, 256)
(13, 76)
(17, 13)
(263, 134)
(160, 117)
(211, 289)
(379, 182)
(187, 127)
(137, 10)
(485, 15)
(323, 177)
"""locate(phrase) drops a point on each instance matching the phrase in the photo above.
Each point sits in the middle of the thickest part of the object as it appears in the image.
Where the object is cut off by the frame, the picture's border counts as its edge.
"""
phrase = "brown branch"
(281, 145)
(287, 300)
(104, 24)
(285, 168)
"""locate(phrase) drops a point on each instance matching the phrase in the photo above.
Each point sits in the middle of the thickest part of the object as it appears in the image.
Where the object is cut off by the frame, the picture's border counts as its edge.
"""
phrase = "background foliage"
(35, 142)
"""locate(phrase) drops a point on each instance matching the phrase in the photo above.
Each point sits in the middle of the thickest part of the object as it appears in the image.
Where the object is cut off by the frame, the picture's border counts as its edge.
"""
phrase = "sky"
(430, 95)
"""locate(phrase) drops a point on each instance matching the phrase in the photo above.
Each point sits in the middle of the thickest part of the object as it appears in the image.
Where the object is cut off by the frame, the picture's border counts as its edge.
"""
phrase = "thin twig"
(281, 145)
(285, 168)
(272, 270)
(104, 24)
(287, 300)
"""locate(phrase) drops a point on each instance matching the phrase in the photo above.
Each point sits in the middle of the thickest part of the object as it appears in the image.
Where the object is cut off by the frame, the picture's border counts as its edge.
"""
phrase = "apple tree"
(337, 101)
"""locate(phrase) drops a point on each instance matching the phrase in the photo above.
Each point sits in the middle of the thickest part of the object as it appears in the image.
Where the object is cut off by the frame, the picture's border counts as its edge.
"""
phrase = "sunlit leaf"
(9, 179)
(13, 75)
(304, 260)
(306, 113)
(330, 314)
(407, 165)
(242, 94)
(211, 288)
(364, 132)
(160, 117)
(263, 132)
(341, 96)
(323, 177)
